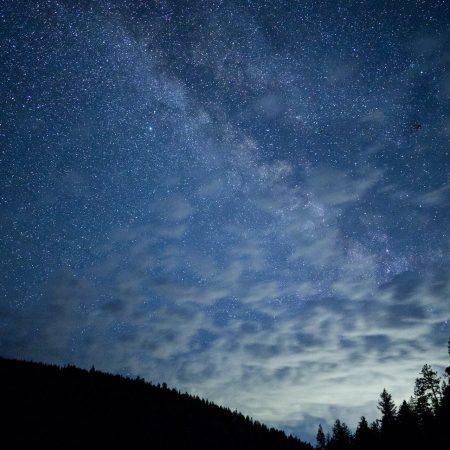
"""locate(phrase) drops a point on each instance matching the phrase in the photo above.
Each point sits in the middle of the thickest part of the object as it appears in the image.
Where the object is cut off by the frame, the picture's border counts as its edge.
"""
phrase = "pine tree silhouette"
(341, 438)
(423, 423)
(320, 438)
(363, 436)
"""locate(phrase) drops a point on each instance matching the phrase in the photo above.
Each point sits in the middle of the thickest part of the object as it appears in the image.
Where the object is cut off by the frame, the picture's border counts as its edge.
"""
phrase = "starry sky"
(246, 199)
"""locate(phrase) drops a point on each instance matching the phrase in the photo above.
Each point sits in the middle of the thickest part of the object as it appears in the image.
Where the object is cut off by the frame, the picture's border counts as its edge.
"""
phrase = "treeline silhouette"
(49, 407)
(422, 423)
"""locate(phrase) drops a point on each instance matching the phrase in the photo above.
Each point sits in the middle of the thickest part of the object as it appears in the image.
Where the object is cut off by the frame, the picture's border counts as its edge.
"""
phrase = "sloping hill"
(48, 407)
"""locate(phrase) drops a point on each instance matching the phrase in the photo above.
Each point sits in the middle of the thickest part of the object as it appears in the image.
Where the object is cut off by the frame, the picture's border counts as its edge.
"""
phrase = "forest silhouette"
(422, 423)
(52, 407)
(65, 408)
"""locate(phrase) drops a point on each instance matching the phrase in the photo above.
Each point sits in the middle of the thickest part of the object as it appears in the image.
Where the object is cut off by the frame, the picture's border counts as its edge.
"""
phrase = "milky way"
(248, 200)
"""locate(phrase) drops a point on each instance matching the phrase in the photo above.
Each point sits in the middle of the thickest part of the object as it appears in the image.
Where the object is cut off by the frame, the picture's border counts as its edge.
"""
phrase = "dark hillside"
(48, 407)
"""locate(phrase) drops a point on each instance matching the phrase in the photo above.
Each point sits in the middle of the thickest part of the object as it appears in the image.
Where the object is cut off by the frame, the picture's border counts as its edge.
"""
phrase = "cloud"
(174, 208)
(302, 361)
(310, 344)
(48, 330)
(435, 198)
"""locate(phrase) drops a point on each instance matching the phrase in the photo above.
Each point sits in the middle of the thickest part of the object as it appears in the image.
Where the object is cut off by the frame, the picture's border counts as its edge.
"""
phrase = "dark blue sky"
(248, 200)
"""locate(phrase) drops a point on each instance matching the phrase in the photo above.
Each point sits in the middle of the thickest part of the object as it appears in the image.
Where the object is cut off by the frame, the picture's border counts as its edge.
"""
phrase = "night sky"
(246, 199)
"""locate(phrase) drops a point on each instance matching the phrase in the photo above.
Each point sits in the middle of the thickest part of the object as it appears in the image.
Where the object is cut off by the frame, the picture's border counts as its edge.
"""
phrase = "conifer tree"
(363, 435)
(447, 370)
(408, 435)
(429, 386)
(388, 414)
(375, 426)
(320, 438)
(421, 405)
(341, 438)
(405, 416)
(388, 410)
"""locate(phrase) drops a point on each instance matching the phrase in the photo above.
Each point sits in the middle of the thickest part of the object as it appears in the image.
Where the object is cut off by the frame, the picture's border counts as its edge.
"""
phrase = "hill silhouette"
(51, 407)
